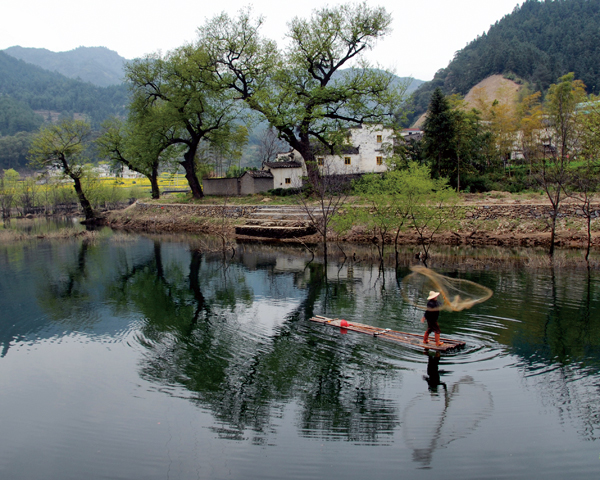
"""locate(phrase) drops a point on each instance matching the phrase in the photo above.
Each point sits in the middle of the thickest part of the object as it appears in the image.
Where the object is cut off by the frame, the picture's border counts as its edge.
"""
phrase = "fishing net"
(456, 294)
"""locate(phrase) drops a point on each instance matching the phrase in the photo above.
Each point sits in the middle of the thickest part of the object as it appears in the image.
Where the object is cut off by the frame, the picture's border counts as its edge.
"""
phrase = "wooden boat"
(410, 339)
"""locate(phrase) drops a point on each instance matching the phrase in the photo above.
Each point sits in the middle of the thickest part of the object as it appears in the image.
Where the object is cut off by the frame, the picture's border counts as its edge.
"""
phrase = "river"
(154, 357)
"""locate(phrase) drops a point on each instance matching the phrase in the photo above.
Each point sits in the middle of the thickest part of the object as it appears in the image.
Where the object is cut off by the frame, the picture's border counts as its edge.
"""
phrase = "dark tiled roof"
(259, 173)
(283, 164)
(415, 137)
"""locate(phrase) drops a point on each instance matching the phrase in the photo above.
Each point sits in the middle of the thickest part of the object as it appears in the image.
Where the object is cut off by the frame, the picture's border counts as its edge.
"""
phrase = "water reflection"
(234, 338)
(434, 420)
(43, 225)
(65, 294)
(433, 377)
(194, 336)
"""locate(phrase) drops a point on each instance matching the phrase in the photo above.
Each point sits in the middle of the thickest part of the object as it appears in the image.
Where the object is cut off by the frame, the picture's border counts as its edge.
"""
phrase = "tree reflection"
(567, 378)
(193, 341)
(65, 292)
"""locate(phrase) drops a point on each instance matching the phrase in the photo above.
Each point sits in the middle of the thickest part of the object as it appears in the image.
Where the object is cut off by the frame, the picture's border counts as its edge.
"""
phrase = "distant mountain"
(537, 43)
(44, 90)
(413, 84)
(97, 65)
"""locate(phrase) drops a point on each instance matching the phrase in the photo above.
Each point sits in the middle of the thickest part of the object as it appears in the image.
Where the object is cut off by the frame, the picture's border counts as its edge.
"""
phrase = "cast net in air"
(456, 294)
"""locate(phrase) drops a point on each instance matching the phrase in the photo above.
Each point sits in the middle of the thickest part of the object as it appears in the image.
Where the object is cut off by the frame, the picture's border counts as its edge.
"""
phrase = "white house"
(368, 146)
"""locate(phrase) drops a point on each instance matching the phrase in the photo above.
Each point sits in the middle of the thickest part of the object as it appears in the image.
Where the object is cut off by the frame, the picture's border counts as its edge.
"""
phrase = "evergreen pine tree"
(439, 132)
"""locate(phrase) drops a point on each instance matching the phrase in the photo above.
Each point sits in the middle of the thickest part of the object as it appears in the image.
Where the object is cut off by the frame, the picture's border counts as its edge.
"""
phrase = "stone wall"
(491, 212)
(220, 186)
(484, 212)
(249, 185)
(210, 211)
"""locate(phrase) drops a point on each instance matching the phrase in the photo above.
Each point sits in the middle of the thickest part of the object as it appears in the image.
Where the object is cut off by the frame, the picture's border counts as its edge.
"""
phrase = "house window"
(288, 181)
(320, 161)
(347, 160)
(379, 160)
(379, 138)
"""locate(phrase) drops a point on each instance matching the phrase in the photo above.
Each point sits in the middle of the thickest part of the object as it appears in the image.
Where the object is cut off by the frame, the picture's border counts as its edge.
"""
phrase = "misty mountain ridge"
(100, 65)
(97, 65)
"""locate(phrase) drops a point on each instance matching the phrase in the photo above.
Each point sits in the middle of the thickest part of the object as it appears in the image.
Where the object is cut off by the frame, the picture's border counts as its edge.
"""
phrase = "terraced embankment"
(523, 224)
(281, 221)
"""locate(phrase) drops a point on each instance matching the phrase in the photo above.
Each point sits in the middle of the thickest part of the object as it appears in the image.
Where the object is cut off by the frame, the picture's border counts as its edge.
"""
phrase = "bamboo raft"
(410, 339)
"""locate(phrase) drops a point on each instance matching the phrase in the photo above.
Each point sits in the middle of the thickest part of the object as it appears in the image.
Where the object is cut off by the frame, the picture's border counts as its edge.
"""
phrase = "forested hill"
(538, 42)
(97, 65)
(44, 90)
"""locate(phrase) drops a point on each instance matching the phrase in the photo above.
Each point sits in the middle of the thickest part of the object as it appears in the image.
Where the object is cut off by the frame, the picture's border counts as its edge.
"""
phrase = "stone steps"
(278, 222)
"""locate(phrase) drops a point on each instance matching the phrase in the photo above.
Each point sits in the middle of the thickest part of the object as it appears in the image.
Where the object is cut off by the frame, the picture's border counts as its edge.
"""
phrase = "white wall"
(280, 174)
(365, 161)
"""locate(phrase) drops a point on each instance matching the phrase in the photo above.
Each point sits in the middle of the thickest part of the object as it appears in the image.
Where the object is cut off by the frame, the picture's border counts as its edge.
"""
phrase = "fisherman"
(431, 315)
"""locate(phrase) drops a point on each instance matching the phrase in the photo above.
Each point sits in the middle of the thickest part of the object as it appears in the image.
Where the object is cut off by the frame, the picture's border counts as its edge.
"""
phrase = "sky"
(425, 33)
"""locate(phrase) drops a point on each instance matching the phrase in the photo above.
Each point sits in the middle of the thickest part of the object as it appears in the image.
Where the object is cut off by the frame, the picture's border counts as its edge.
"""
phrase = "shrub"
(474, 183)
(284, 192)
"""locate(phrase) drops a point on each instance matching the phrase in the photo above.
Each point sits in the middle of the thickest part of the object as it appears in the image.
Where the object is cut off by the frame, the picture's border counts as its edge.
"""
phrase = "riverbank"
(496, 219)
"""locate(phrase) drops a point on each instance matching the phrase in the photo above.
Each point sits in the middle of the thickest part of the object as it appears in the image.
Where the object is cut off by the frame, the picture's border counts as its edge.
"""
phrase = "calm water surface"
(142, 357)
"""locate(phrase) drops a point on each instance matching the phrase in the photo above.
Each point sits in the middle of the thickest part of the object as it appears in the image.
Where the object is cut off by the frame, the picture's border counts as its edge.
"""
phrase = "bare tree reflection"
(560, 364)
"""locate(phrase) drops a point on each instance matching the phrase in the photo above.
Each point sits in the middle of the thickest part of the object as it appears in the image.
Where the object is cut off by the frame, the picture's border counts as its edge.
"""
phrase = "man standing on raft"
(431, 315)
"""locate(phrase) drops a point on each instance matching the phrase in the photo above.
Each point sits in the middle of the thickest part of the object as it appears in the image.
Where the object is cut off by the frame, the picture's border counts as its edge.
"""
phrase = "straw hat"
(432, 294)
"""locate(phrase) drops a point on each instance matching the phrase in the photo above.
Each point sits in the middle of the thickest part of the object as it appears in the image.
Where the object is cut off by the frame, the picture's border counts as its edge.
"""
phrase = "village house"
(366, 151)
(367, 148)
(286, 173)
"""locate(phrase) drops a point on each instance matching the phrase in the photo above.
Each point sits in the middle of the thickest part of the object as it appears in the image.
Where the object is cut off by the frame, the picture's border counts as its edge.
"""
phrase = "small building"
(411, 133)
(286, 174)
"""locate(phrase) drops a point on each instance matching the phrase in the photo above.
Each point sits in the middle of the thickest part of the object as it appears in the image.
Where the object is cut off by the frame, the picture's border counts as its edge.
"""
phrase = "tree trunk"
(312, 168)
(85, 204)
(153, 177)
(190, 173)
(396, 246)
(552, 233)
(458, 174)
(382, 249)
(589, 236)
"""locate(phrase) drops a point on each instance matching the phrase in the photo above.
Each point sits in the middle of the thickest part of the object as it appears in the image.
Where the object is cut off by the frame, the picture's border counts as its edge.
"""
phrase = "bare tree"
(552, 170)
(270, 145)
(584, 180)
(324, 198)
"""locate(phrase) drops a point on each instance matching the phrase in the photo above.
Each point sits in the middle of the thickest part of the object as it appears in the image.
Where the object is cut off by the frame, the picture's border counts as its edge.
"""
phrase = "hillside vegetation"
(44, 90)
(537, 43)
